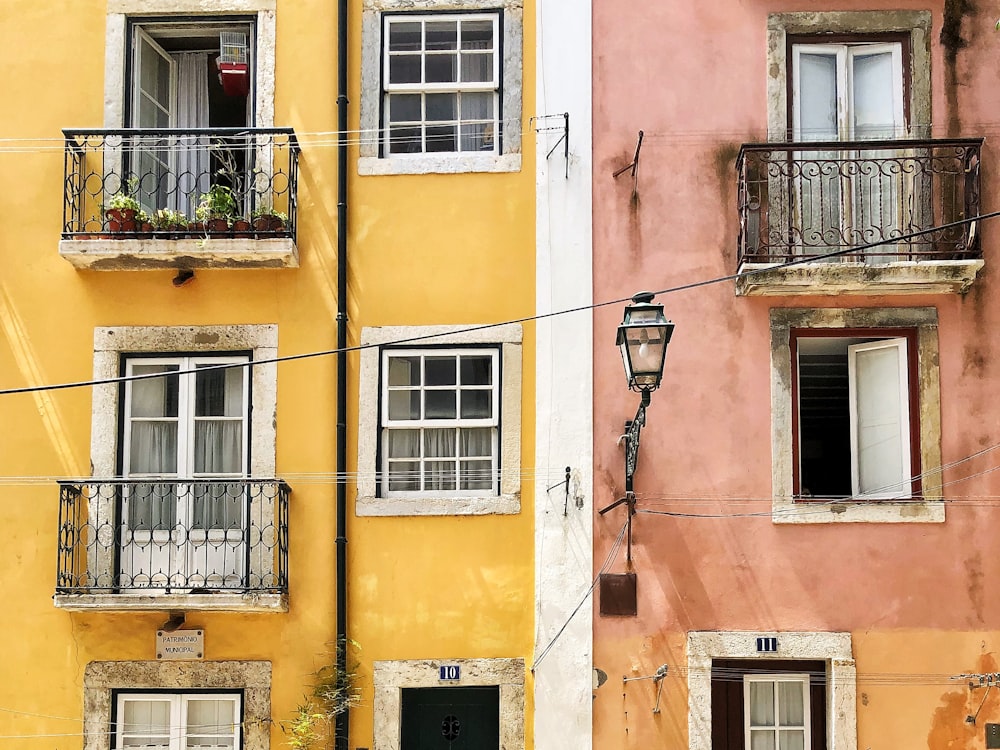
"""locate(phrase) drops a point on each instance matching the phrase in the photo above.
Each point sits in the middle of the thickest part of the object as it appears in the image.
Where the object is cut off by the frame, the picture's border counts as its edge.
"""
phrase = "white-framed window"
(239, 720)
(851, 91)
(440, 418)
(441, 86)
(776, 711)
(178, 721)
(855, 415)
(439, 426)
(811, 701)
(875, 75)
(441, 83)
(154, 77)
(190, 423)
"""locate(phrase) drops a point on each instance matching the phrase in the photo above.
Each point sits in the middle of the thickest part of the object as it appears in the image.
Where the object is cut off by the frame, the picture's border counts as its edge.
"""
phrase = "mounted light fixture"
(643, 337)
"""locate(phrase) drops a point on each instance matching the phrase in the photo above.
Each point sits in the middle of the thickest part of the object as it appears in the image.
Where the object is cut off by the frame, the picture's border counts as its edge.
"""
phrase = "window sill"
(153, 254)
(439, 164)
(146, 602)
(432, 506)
(907, 277)
(788, 511)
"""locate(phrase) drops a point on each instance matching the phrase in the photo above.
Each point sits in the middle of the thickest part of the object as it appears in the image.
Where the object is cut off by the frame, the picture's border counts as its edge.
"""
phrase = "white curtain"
(477, 107)
(192, 162)
(786, 731)
(152, 450)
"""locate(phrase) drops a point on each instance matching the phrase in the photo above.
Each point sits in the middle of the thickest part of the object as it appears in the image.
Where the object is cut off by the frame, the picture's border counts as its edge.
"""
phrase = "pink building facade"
(816, 495)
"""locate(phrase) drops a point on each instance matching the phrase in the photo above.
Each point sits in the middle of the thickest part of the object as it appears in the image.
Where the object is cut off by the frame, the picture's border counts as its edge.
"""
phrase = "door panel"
(451, 718)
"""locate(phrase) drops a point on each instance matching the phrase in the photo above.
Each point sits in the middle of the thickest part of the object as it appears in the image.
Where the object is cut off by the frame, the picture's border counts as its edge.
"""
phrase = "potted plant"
(242, 228)
(267, 220)
(216, 208)
(123, 210)
(166, 220)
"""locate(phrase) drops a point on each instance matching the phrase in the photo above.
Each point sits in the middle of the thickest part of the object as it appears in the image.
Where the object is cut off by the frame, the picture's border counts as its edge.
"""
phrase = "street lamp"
(642, 337)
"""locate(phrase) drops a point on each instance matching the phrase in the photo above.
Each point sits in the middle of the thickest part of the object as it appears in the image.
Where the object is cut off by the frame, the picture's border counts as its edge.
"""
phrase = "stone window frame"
(784, 508)
(511, 93)
(119, 13)
(833, 648)
(102, 678)
(113, 343)
(373, 341)
(390, 677)
(916, 23)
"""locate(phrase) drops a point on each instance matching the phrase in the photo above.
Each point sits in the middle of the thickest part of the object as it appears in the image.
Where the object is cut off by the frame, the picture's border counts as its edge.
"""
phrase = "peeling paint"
(949, 727)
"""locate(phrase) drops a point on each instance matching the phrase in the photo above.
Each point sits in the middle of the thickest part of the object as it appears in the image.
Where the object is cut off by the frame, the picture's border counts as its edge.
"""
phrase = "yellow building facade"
(172, 567)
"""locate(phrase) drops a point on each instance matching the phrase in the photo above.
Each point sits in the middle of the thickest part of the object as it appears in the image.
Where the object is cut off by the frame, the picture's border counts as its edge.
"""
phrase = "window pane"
(218, 505)
(790, 704)
(440, 370)
(404, 108)
(792, 739)
(146, 717)
(818, 97)
(441, 68)
(477, 441)
(477, 370)
(439, 443)
(874, 100)
(155, 397)
(439, 405)
(477, 475)
(218, 446)
(442, 35)
(219, 393)
(477, 67)
(440, 475)
(441, 138)
(404, 405)
(477, 106)
(405, 141)
(404, 370)
(151, 506)
(210, 717)
(880, 419)
(477, 35)
(153, 448)
(404, 476)
(762, 739)
(441, 106)
(761, 704)
(404, 36)
(477, 404)
(404, 443)
(478, 137)
(404, 69)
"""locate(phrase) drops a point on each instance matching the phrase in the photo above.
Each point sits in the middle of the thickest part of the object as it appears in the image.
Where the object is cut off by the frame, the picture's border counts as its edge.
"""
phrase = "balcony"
(173, 545)
(803, 201)
(185, 199)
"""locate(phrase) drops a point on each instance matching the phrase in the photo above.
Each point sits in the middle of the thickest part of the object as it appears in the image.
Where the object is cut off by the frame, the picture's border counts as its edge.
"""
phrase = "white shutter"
(818, 86)
(875, 83)
(880, 419)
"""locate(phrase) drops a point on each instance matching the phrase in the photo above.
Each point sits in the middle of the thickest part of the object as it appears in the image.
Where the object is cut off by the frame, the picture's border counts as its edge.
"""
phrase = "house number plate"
(450, 672)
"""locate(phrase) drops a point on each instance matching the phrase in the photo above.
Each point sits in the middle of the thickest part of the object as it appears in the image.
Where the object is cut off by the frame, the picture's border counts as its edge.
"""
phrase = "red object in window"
(235, 78)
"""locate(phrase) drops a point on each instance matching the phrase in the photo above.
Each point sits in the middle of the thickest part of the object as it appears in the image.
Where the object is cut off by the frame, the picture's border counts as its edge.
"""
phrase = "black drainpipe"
(343, 721)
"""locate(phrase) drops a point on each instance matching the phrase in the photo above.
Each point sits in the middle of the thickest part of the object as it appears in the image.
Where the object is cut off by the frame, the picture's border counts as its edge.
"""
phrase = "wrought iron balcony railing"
(806, 200)
(175, 181)
(173, 536)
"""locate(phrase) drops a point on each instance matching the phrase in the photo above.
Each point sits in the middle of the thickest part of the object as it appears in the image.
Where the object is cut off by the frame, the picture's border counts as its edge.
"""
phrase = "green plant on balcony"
(266, 219)
(123, 209)
(166, 220)
(217, 208)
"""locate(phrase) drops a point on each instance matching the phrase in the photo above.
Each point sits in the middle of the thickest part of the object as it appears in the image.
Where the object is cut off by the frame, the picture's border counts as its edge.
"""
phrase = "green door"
(451, 718)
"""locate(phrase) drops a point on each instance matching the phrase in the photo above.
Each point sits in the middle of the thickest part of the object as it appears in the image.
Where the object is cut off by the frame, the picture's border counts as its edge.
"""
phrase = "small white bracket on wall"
(657, 679)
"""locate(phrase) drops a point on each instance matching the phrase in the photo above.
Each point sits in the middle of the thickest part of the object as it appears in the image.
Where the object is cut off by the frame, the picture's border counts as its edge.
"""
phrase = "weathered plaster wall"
(914, 597)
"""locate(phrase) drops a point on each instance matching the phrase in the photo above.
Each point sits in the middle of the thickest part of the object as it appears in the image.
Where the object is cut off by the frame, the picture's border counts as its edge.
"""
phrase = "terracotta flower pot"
(217, 226)
(145, 230)
(268, 224)
(121, 220)
(241, 229)
(195, 230)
